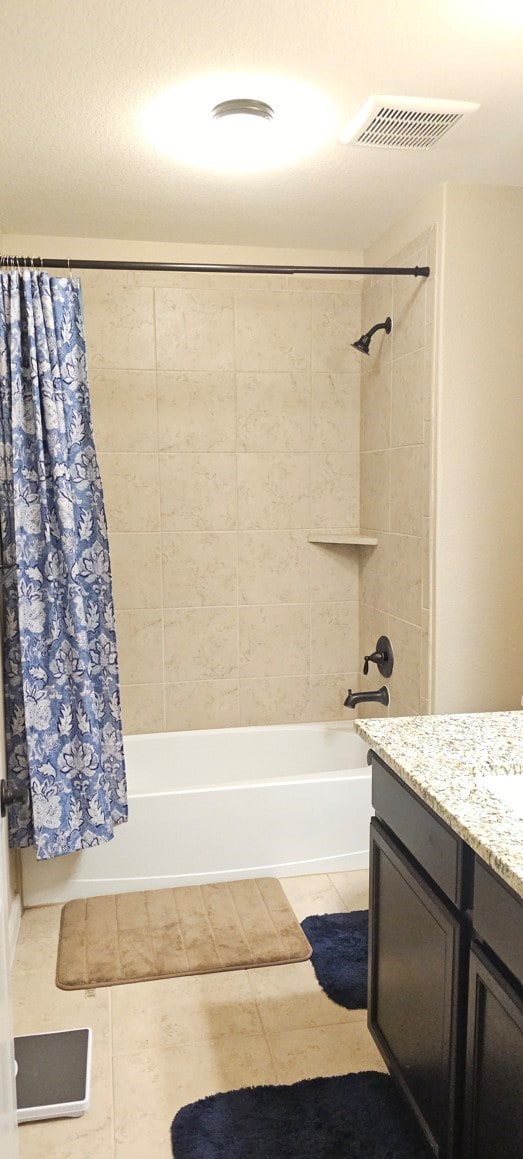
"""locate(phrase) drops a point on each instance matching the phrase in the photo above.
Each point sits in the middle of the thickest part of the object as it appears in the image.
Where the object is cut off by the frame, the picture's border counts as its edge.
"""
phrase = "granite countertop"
(444, 760)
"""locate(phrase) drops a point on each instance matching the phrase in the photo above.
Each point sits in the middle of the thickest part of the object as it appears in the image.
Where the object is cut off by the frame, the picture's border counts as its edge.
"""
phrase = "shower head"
(363, 343)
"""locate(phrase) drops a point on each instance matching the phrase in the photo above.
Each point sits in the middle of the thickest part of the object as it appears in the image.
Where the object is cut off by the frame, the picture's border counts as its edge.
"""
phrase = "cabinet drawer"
(442, 855)
(498, 918)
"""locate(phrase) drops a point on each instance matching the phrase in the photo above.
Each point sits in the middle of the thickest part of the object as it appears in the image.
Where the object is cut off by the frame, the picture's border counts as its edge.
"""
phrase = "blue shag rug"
(353, 1116)
(340, 947)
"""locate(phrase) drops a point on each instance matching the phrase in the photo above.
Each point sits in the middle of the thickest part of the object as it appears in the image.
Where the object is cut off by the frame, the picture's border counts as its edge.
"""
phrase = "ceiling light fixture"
(201, 124)
(243, 107)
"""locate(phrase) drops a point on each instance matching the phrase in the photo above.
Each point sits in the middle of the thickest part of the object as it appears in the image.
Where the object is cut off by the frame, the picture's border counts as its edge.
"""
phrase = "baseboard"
(13, 925)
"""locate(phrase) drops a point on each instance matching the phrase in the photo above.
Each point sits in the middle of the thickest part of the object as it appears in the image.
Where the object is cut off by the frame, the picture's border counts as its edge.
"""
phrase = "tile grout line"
(272, 604)
(274, 676)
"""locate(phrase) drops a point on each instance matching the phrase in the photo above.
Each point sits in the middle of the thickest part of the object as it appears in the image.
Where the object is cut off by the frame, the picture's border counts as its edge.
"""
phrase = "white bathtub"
(219, 804)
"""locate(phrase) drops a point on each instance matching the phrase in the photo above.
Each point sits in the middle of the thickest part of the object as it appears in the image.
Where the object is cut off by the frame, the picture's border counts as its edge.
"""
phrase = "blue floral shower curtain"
(62, 703)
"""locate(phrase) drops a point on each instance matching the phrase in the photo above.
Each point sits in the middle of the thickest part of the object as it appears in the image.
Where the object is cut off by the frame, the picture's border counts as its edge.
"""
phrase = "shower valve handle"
(374, 658)
(383, 657)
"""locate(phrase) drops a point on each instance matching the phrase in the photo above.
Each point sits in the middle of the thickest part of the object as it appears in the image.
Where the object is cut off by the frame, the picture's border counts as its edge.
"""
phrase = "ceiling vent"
(405, 122)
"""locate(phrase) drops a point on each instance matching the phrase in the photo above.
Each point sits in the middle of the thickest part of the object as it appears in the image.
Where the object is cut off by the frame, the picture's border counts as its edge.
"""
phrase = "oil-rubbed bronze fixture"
(383, 657)
(380, 697)
(363, 343)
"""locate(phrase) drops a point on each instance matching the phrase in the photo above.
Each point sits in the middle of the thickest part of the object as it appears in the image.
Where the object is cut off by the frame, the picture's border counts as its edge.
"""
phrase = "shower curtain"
(61, 694)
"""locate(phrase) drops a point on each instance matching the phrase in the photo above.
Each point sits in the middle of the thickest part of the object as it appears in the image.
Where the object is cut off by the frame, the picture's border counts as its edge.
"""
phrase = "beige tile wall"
(396, 441)
(226, 414)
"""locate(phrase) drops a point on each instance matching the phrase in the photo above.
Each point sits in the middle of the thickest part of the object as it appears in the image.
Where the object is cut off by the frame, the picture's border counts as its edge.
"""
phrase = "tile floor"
(158, 1045)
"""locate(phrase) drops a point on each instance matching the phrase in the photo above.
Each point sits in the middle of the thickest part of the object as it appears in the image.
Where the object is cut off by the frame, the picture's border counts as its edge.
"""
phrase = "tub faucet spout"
(379, 697)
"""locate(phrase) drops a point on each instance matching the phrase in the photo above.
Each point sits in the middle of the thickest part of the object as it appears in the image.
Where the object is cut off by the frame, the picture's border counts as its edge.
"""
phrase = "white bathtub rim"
(324, 725)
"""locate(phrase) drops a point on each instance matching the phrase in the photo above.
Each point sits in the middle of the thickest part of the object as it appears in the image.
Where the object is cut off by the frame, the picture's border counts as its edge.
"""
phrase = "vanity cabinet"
(493, 1106)
(416, 952)
(445, 978)
(494, 1071)
(418, 949)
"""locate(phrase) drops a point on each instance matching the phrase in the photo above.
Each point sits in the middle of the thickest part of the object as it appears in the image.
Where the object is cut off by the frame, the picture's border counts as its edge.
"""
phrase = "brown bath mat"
(165, 933)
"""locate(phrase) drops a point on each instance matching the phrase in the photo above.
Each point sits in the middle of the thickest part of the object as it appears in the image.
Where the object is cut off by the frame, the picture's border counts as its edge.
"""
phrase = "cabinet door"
(416, 984)
(494, 1097)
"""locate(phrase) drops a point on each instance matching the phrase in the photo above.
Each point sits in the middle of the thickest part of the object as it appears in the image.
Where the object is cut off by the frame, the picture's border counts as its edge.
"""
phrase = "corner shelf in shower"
(348, 537)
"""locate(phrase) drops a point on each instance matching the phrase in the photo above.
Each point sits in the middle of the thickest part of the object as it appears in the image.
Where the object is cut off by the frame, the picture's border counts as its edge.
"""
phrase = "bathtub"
(219, 804)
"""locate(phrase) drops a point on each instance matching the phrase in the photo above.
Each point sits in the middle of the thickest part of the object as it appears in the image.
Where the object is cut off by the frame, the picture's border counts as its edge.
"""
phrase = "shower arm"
(378, 326)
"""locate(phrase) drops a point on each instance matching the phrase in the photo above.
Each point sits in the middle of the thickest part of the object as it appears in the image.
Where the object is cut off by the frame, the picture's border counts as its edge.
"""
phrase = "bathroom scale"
(53, 1074)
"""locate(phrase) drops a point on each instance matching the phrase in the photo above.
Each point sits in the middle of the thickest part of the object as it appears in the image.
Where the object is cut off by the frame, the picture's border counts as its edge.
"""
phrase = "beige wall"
(479, 499)
(396, 440)
(113, 249)
(476, 607)
(226, 413)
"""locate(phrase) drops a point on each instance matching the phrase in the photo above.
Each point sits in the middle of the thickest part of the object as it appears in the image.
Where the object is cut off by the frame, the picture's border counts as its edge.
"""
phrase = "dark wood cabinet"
(445, 978)
(441, 855)
(416, 969)
(494, 1106)
(497, 919)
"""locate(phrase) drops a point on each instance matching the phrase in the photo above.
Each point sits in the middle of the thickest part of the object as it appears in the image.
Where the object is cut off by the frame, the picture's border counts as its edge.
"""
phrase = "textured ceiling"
(75, 74)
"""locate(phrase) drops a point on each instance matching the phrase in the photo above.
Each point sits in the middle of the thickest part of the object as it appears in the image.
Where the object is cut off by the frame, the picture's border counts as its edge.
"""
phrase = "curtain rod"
(209, 268)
